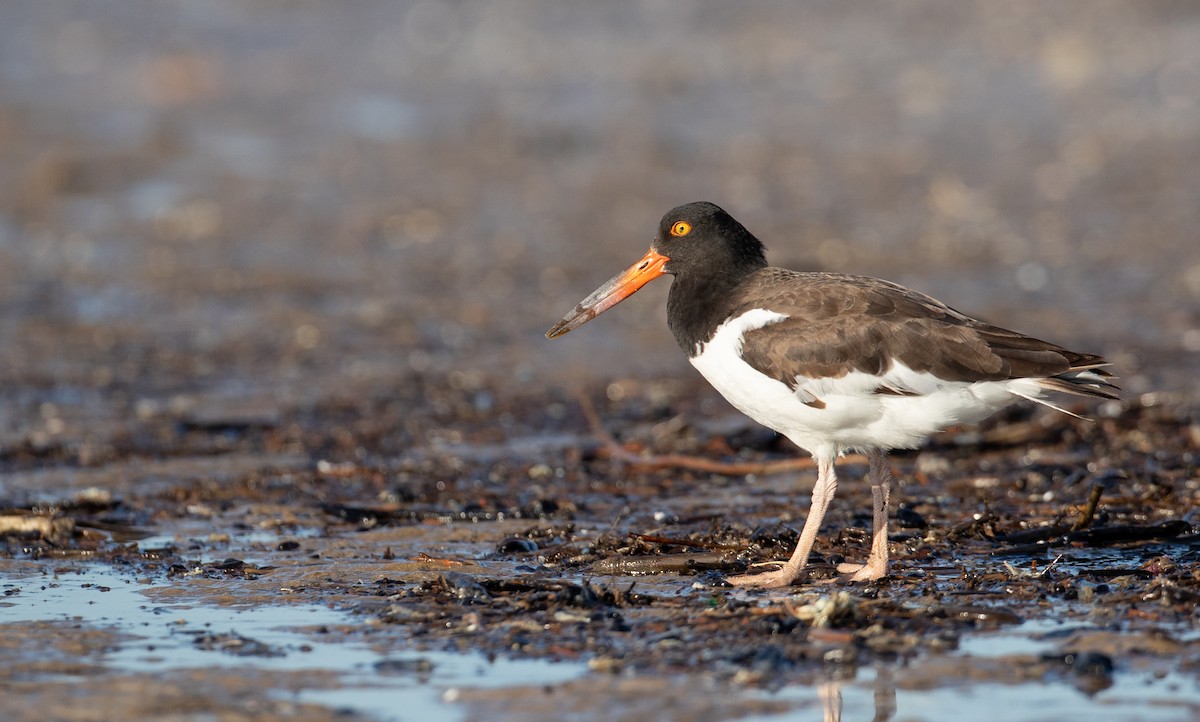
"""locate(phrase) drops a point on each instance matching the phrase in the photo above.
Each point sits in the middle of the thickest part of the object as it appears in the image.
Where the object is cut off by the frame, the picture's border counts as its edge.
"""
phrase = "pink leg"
(821, 496)
(881, 486)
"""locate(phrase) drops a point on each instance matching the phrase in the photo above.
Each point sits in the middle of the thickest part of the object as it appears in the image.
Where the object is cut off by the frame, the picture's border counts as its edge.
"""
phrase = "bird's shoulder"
(813, 296)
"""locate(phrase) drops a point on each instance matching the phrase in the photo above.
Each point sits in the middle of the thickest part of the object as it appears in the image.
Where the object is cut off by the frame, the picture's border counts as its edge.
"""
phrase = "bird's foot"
(766, 580)
(870, 571)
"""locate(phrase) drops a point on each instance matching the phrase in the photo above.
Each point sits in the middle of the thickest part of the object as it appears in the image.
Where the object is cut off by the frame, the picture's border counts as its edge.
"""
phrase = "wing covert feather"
(837, 324)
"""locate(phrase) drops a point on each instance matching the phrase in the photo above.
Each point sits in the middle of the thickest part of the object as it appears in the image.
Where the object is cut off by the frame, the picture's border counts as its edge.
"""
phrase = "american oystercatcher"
(834, 362)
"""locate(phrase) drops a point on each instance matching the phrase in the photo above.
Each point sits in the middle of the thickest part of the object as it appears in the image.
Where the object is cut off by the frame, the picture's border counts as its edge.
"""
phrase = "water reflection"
(830, 695)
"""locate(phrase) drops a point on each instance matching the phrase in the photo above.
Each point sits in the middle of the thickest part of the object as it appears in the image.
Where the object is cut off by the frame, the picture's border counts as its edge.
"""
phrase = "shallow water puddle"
(1124, 702)
(280, 638)
(941, 694)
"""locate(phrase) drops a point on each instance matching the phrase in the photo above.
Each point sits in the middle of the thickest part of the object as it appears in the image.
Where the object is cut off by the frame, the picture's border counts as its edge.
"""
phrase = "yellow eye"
(681, 228)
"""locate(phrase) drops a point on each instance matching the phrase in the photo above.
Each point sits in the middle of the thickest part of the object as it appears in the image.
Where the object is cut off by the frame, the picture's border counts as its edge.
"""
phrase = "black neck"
(698, 304)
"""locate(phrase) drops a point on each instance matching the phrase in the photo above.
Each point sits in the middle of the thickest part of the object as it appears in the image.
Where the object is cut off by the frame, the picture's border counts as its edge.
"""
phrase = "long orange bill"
(621, 287)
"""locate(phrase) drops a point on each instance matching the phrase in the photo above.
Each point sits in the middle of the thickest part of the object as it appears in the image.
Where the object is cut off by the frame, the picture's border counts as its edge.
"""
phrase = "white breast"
(828, 416)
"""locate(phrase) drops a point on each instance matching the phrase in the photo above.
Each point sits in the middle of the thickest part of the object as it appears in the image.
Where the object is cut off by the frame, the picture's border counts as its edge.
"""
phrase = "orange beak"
(619, 288)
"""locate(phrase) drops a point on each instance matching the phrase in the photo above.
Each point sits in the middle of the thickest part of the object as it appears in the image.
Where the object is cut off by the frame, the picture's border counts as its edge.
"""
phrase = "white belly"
(852, 414)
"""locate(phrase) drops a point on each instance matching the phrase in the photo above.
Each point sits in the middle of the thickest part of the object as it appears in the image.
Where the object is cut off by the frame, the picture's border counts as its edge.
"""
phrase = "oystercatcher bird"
(834, 362)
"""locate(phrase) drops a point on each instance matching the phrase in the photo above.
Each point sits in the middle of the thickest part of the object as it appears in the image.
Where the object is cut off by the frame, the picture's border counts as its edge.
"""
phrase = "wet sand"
(274, 283)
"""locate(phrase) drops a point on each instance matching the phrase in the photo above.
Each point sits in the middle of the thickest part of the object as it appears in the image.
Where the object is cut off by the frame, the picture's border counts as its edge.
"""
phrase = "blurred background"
(300, 201)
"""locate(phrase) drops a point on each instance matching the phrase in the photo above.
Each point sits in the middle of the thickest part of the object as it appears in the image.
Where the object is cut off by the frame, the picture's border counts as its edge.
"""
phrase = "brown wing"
(838, 323)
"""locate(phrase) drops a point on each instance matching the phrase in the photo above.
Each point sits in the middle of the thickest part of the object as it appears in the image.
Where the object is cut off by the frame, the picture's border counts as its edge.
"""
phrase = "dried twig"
(694, 543)
(613, 449)
(439, 561)
(1084, 520)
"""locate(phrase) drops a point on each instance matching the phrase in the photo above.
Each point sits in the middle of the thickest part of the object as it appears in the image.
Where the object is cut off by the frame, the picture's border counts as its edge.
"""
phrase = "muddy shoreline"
(281, 438)
(570, 555)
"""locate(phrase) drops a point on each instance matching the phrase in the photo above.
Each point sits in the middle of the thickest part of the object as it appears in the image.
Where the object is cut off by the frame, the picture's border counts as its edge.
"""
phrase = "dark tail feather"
(1086, 377)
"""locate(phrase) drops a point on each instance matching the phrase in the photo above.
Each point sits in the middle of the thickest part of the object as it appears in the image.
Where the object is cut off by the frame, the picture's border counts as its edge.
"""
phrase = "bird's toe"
(765, 580)
(863, 572)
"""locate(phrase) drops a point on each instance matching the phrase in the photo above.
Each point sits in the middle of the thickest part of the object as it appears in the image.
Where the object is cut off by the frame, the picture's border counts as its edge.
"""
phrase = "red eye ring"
(681, 228)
